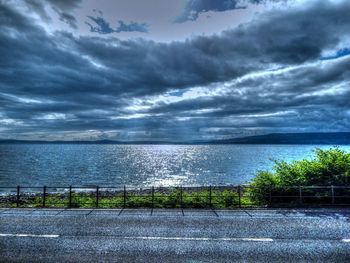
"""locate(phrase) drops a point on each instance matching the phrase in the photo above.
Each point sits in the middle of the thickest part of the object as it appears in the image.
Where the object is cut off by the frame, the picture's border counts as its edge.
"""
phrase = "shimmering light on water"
(140, 165)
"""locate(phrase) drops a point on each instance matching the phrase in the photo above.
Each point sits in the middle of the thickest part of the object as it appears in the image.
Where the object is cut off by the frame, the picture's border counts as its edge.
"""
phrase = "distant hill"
(80, 142)
(336, 138)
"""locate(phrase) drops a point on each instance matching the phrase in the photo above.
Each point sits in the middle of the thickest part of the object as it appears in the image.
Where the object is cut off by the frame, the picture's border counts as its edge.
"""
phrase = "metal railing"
(174, 197)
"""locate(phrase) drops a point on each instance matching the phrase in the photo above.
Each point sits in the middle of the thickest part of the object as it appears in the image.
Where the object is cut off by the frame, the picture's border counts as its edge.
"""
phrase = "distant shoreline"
(189, 144)
(337, 138)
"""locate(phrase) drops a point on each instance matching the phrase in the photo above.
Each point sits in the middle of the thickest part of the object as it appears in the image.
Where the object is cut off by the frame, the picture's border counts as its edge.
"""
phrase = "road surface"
(53, 235)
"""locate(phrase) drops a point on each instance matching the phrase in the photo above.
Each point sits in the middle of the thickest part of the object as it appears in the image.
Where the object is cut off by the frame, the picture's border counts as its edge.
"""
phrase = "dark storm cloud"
(155, 67)
(340, 53)
(61, 7)
(304, 86)
(61, 82)
(131, 27)
(67, 18)
(314, 97)
(38, 7)
(103, 27)
(193, 8)
(65, 5)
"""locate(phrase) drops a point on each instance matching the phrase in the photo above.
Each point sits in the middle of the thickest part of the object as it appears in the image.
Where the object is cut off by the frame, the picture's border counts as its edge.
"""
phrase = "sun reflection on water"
(140, 165)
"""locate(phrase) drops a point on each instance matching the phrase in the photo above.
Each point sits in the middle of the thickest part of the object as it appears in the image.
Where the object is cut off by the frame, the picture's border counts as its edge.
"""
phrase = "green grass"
(171, 199)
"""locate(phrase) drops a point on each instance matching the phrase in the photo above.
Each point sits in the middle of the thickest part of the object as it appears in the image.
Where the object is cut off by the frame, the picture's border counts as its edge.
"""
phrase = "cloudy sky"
(172, 69)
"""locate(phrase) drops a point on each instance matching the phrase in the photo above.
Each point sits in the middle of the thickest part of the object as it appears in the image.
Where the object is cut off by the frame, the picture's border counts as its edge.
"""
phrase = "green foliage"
(260, 186)
(328, 167)
(227, 199)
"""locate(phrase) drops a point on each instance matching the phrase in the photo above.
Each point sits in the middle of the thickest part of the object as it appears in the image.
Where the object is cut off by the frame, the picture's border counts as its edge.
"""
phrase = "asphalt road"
(44, 235)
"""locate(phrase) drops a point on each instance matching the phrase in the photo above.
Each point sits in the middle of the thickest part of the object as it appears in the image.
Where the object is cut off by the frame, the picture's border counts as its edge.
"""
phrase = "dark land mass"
(336, 138)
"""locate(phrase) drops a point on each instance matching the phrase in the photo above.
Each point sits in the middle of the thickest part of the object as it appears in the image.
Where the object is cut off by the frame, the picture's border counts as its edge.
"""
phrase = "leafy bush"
(228, 199)
(261, 186)
(328, 167)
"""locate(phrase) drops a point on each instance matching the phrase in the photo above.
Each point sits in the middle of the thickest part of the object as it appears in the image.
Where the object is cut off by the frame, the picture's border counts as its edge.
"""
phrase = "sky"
(172, 70)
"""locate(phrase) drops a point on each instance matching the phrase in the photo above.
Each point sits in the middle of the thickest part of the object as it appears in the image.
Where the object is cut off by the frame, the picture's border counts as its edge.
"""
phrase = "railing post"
(239, 197)
(44, 196)
(210, 203)
(124, 196)
(152, 196)
(181, 200)
(300, 195)
(333, 198)
(70, 197)
(18, 196)
(97, 195)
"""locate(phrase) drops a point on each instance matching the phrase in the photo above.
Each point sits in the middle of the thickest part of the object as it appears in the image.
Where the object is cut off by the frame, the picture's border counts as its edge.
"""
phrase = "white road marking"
(158, 238)
(247, 239)
(258, 239)
(202, 239)
(28, 235)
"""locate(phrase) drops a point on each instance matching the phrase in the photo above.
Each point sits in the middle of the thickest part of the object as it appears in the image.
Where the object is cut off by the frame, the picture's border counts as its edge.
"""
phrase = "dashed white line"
(202, 239)
(28, 235)
(252, 239)
(246, 239)
(258, 239)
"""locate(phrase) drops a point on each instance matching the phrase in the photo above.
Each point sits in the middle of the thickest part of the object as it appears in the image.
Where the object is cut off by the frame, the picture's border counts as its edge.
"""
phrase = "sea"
(61, 165)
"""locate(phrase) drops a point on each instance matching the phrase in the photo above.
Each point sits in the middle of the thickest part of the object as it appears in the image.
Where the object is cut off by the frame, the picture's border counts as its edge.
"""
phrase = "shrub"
(260, 186)
(229, 199)
(328, 167)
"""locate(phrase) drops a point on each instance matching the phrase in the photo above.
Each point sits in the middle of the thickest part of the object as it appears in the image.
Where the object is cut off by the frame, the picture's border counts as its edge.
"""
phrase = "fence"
(174, 197)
